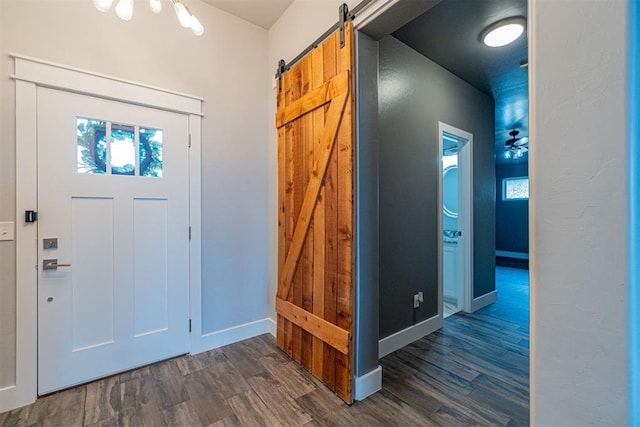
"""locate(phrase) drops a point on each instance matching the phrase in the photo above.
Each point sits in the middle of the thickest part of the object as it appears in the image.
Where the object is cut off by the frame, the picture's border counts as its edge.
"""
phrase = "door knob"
(52, 264)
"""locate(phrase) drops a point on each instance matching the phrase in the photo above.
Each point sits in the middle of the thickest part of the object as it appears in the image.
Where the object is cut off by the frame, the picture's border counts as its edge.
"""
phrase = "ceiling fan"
(516, 147)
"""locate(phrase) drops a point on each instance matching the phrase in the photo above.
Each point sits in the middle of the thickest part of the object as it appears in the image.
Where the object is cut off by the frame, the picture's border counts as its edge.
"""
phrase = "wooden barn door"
(315, 299)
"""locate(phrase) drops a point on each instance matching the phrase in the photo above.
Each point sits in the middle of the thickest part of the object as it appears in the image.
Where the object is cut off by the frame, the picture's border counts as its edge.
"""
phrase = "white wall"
(226, 66)
(300, 25)
(7, 252)
(578, 212)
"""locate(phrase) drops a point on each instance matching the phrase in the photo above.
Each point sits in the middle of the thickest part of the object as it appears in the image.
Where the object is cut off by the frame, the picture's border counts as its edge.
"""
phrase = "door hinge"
(189, 232)
(189, 325)
(189, 140)
(30, 216)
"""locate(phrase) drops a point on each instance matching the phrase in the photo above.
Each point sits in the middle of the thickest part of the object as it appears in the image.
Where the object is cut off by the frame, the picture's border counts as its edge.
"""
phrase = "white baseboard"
(484, 301)
(509, 254)
(272, 325)
(14, 397)
(368, 384)
(222, 337)
(407, 336)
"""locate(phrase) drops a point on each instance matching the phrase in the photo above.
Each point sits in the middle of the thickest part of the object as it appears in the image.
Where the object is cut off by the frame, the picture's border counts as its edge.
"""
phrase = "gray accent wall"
(366, 205)
(414, 94)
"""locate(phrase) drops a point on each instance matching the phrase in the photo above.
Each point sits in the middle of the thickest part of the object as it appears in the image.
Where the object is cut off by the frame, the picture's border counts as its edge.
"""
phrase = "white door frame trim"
(465, 222)
(31, 73)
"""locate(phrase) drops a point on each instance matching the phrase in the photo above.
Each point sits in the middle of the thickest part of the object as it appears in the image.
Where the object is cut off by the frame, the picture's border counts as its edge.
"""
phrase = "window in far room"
(515, 188)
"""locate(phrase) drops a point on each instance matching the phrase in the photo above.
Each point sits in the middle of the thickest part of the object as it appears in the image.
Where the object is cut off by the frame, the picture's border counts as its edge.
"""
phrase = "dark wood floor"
(472, 372)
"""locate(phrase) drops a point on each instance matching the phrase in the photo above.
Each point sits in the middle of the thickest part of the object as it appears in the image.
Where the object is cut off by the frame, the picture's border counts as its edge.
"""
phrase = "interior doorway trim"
(465, 215)
(31, 73)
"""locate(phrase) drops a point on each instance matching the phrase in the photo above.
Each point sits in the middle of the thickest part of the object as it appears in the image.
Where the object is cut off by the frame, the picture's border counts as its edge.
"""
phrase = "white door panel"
(123, 301)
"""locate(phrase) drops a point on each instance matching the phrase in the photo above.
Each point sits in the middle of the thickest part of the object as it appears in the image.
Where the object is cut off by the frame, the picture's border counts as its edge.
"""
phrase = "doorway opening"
(456, 196)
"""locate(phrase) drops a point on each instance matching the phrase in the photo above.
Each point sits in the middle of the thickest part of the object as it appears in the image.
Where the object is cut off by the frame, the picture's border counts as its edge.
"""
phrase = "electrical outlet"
(418, 299)
(6, 231)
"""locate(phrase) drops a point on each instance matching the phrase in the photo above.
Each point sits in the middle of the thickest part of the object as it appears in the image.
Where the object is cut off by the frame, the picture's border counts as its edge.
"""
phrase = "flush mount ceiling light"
(503, 32)
(124, 10)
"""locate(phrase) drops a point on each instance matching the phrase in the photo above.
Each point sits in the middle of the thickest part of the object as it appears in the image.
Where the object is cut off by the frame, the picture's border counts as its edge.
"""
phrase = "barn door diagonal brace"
(329, 136)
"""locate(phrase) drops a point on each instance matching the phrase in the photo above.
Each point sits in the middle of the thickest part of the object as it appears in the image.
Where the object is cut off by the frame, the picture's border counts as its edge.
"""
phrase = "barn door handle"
(52, 264)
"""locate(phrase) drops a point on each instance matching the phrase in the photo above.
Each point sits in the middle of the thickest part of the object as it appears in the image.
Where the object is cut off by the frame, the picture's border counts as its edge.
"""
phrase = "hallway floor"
(472, 372)
(475, 370)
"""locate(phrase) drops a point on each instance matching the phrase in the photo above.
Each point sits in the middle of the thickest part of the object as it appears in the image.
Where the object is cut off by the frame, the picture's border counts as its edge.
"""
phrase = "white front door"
(113, 193)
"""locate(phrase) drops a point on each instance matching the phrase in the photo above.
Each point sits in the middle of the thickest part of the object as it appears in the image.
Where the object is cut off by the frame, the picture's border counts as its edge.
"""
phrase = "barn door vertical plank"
(307, 254)
(282, 211)
(331, 46)
(317, 70)
(290, 194)
(344, 291)
(298, 191)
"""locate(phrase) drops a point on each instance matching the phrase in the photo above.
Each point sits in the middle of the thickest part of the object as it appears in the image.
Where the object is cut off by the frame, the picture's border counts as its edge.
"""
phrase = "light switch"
(6, 230)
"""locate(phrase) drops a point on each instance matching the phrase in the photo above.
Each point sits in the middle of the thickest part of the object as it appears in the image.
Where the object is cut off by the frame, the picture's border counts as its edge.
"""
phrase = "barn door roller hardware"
(344, 16)
(282, 67)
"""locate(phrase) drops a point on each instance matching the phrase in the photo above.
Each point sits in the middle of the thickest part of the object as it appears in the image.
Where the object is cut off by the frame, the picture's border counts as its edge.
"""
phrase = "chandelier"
(124, 10)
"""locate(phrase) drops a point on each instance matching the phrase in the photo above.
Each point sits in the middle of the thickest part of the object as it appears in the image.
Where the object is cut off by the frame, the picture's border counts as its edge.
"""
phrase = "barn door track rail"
(344, 16)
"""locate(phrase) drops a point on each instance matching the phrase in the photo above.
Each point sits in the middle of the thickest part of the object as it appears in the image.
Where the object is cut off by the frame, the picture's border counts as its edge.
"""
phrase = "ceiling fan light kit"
(124, 10)
(503, 32)
(515, 148)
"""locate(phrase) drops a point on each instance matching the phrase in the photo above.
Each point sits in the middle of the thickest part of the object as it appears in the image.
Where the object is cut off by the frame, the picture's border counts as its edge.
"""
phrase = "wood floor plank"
(114, 421)
(412, 392)
(443, 362)
(287, 411)
(227, 380)
(449, 416)
(295, 381)
(251, 410)
(134, 374)
(64, 409)
(191, 364)
(510, 407)
(319, 403)
(243, 360)
(181, 414)
(169, 384)
(208, 403)
(231, 421)
(519, 395)
(446, 377)
(388, 409)
(102, 400)
(140, 402)
(262, 345)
